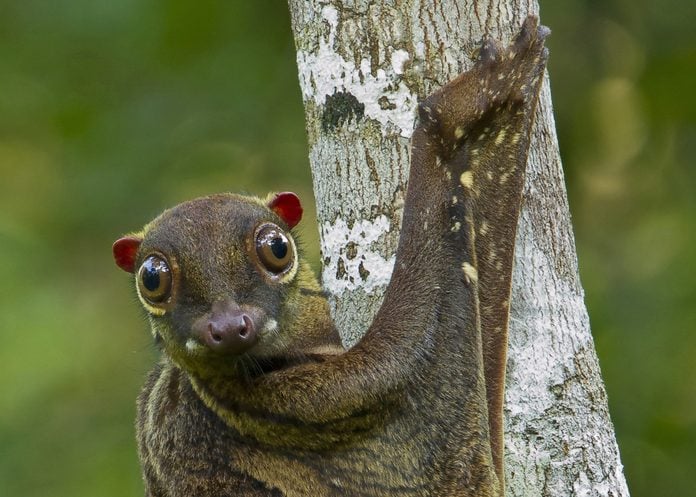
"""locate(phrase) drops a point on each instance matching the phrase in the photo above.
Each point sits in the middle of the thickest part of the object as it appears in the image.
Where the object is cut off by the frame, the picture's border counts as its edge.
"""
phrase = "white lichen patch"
(354, 262)
(323, 72)
(398, 60)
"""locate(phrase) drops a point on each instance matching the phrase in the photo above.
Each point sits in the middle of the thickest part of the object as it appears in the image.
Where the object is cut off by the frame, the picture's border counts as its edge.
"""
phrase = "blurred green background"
(110, 111)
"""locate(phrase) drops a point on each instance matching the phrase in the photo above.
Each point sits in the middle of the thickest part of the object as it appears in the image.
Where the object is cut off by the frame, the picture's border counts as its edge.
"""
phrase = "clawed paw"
(503, 77)
(512, 72)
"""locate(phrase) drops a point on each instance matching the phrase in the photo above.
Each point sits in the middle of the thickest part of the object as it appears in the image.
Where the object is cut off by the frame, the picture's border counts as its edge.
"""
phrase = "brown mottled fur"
(415, 408)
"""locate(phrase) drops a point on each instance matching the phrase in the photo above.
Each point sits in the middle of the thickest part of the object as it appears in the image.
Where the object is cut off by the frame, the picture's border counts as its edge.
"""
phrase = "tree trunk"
(363, 66)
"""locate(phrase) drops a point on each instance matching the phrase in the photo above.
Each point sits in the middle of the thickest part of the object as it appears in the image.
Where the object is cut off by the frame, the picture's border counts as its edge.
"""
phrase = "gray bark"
(363, 67)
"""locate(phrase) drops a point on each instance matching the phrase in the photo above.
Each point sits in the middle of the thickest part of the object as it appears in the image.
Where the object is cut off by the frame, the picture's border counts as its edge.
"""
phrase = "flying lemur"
(255, 395)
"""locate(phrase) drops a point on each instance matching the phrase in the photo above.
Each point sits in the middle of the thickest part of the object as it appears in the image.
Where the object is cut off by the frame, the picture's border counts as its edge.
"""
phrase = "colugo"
(255, 395)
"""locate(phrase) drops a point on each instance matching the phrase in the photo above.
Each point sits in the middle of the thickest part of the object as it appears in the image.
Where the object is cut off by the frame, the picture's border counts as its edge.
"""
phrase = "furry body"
(413, 409)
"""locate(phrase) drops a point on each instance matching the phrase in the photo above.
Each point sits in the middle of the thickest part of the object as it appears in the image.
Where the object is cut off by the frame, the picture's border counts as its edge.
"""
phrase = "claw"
(543, 32)
(530, 33)
(525, 36)
(503, 76)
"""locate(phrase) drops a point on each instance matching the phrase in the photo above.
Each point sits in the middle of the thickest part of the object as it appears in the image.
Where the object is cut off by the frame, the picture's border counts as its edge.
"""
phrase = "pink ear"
(287, 206)
(125, 249)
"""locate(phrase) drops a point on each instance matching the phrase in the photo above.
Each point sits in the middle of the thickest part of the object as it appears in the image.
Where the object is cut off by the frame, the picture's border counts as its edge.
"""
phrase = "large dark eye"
(155, 279)
(274, 249)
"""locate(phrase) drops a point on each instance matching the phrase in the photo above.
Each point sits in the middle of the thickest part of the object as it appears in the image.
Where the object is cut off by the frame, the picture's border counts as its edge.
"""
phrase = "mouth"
(246, 365)
(241, 340)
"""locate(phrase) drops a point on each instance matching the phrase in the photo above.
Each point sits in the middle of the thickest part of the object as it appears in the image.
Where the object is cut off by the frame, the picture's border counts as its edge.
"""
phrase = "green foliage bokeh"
(111, 111)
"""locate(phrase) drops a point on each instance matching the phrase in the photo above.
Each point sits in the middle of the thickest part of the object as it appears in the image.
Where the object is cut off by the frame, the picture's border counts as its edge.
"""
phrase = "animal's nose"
(228, 330)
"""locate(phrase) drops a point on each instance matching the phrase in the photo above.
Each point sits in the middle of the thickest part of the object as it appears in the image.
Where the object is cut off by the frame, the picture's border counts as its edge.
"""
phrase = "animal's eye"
(155, 279)
(274, 249)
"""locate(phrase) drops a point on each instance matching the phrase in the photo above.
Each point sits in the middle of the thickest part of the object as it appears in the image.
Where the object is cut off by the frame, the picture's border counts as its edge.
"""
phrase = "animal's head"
(221, 280)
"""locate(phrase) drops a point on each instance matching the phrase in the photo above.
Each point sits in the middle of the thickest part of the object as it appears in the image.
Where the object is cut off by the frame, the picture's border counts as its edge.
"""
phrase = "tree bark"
(363, 66)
